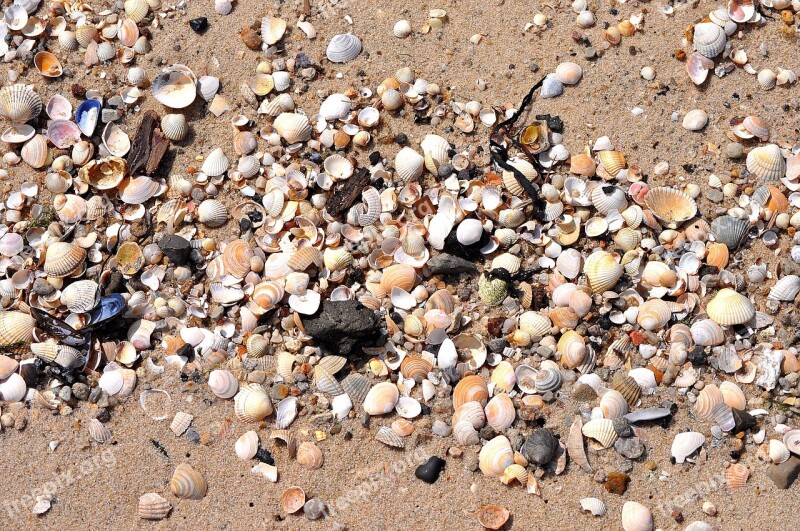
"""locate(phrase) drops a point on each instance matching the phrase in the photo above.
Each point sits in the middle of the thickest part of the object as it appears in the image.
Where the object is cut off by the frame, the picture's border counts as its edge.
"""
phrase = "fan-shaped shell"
(778, 452)
(293, 127)
(252, 403)
(602, 271)
(608, 198)
(19, 103)
(212, 213)
(729, 230)
(671, 206)
(785, 289)
(627, 387)
(709, 39)
(535, 323)
(216, 163)
(654, 314)
(595, 506)
(408, 164)
(174, 126)
(435, 149)
(63, 259)
(70, 208)
(152, 506)
(388, 437)
(343, 48)
(766, 163)
(730, 308)
(496, 456)
(381, 399)
(601, 430)
(188, 483)
(736, 476)
(612, 161)
(136, 10)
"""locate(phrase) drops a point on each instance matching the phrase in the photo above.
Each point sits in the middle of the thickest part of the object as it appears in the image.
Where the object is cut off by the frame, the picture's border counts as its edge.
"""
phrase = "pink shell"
(63, 133)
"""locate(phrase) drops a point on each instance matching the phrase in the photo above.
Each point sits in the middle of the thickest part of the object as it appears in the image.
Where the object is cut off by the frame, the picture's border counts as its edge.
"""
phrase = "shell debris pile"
(305, 267)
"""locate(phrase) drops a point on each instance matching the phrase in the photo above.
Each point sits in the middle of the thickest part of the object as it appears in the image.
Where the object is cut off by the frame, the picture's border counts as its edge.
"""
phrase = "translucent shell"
(602, 271)
(766, 163)
(470, 389)
(685, 444)
(292, 127)
(152, 506)
(381, 399)
(671, 206)
(188, 483)
(636, 517)
(730, 308)
(63, 259)
(15, 327)
(47, 64)
(252, 403)
(19, 103)
(496, 456)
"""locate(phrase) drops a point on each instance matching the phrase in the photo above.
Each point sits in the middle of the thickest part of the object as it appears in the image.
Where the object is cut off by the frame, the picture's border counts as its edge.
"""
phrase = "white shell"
(709, 39)
(247, 445)
(222, 383)
(685, 444)
(408, 164)
(174, 126)
(335, 107)
(343, 48)
(216, 163)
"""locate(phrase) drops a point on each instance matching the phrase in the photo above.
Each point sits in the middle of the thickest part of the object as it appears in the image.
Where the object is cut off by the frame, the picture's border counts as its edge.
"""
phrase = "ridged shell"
(612, 161)
(35, 152)
(63, 259)
(500, 412)
(19, 103)
(180, 423)
(671, 206)
(212, 213)
(252, 403)
(188, 483)
(785, 289)
(357, 386)
(602, 271)
(685, 444)
(136, 10)
(627, 387)
(222, 383)
(636, 517)
(98, 432)
(736, 476)
(68, 41)
(293, 127)
(594, 506)
(601, 430)
(717, 255)
(305, 257)
(343, 48)
(503, 376)
(778, 452)
(535, 323)
(707, 399)
(216, 163)
(272, 29)
(408, 164)
(628, 239)
(388, 437)
(707, 333)
(730, 308)
(654, 314)
(729, 230)
(469, 389)
(152, 506)
(381, 399)
(709, 39)
(174, 126)
(325, 382)
(465, 434)
(435, 150)
(608, 198)
(766, 163)
(496, 456)
(81, 296)
(415, 367)
(398, 276)
(613, 404)
(309, 456)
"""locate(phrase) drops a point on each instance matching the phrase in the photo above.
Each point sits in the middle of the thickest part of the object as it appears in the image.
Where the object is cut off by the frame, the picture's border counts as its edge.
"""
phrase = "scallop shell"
(175, 86)
(685, 444)
(81, 296)
(343, 48)
(729, 230)
(496, 456)
(99, 432)
(388, 437)
(63, 259)
(252, 403)
(709, 39)
(68, 41)
(654, 314)
(408, 164)
(469, 389)
(500, 412)
(188, 483)
(707, 333)
(602, 271)
(174, 126)
(671, 206)
(595, 506)
(223, 384)
(601, 430)
(381, 399)
(636, 517)
(309, 456)
(153, 507)
(736, 476)
(293, 127)
(730, 308)
(435, 149)
(212, 213)
(766, 163)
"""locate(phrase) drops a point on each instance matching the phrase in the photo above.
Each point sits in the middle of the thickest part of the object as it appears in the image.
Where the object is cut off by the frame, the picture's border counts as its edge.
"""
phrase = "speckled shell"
(492, 291)
(730, 308)
(188, 483)
(153, 507)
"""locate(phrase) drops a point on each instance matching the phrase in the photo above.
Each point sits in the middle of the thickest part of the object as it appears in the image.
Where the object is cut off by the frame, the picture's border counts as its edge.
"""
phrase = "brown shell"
(236, 258)
(627, 387)
(415, 367)
(63, 259)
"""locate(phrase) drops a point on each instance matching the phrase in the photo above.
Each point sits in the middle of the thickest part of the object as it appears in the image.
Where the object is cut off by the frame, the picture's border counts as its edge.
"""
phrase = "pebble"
(784, 474)
(631, 447)
(734, 150)
(441, 429)
(429, 470)
(80, 391)
(314, 509)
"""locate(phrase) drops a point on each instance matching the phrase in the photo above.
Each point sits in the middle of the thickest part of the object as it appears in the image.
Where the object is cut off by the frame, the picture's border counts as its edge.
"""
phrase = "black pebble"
(429, 470)
(400, 138)
(374, 157)
(199, 25)
(264, 456)
(175, 248)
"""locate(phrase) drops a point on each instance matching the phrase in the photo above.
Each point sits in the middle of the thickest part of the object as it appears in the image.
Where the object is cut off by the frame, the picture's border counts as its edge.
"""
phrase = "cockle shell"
(654, 314)
(81, 296)
(180, 423)
(602, 271)
(381, 399)
(216, 163)
(152, 506)
(19, 103)
(408, 164)
(595, 506)
(551, 87)
(387, 436)
(174, 126)
(496, 456)
(343, 48)
(636, 517)
(293, 127)
(188, 483)
(736, 476)
(212, 213)
(685, 444)
(252, 403)
(709, 39)
(63, 355)
(70, 208)
(222, 383)
(469, 389)
(627, 386)
(601, 430)
(729, 230)
(435, 149)
(707, 333)
(63, 259)
(671, 206)
(766, 163)
(136, 10)
(732, 395)
(730, 308)
(785, 289)
(35, 152)
(534, 323)
(778, 452)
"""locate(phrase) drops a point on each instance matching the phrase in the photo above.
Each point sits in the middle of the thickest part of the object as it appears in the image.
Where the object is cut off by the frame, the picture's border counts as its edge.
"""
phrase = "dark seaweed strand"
(500, 153)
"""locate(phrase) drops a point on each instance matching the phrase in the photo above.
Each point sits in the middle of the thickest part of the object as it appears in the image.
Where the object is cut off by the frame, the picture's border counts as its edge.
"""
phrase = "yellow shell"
(469, 389)
(671, 206)
(309, 456)
(15, 327)
(612, 161)
(136, 10)
(572, 348)
(602, 271)
(507, 261)
(103, 174)
(337, 258)
(535, 323)
(496, 456)
(730, 308)
(188, 483)
(627, 238)
(304, 257)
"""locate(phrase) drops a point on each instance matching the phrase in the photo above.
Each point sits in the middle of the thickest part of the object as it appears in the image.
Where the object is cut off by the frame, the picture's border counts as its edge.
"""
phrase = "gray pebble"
(631, 447)
(590, 53)
(65, 394)
(471, 463)
(314, 509)
(441, 429)
(80, 391)
(734, 150)
(715, 195)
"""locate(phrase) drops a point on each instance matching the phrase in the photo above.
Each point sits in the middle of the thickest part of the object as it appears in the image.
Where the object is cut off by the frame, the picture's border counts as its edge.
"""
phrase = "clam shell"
(81, 296)
(608, 198)
(707, 333)
(627, 387)
(540, 447)
(595, 506)
(19, 103)
(309, 456)
(63, 134)
(778, 452)
(492, 516)
(671, 206)
(766, 163)
(408, 164)
(18, 133)
(335, 107)
(548, 378)
(153, 507)
(465, 434)
(35, 152)
(685, 444)
(733, 396)
(138, 190)
(63, 259)
(654, 314)
(13, 388)
(70, 208)
(68, 41)
(613, 404)
(115, 140)
(730, 308)
(792, 441)
(729, 230)
(469, 389)
(272, 29)
(175, 127)
(552, 87)
(636, 517)
(247, 445)
(785, 289)
(534, 323)
(709, 39)
(188, 483)
(293, 499)
(136, 10)
(293, 127)
(87, 115)
(612, 161)
(389, 437)
(740, 11)
(496, 456)
(435, 149)
(47, 64)
(223, 384)
(400, 276)
(492, 291)
(708, 398)
(602, 271)
(601, 430)
(357, 386)
(569, 73)
(175, 86)
(252, 403)
(325, 382)
(381, 399)
(500, 412)
(343, 48)
(207, 87)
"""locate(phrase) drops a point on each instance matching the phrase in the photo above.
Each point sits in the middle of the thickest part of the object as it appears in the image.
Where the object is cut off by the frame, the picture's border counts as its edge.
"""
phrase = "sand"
(108, 479)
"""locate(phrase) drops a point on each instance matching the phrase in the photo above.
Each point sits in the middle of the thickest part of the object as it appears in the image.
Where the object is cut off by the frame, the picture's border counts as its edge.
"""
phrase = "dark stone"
(400, 138)
(264, 456)
(176, 248)
(193, 435)
(630, 447)
(784, 474)
(540, 447)
(374, 157)
(199, 25)
(429, 470)
(622, 427)
(742, 421)
(447, 264)
(342, 324)
(698, 356)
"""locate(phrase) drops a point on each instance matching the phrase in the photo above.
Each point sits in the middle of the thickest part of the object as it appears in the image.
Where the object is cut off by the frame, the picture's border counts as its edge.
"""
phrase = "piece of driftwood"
(149, 146)
(347, 192)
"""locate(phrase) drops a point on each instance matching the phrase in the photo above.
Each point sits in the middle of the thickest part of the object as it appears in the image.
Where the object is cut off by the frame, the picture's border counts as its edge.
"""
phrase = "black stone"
(342, 324)
(698, 356)
(176, 248)
(400, 138)
(540, 447)
(264, 456)
(429, 470)
(447, 264)
(375, 157)
(742, 421)
(199, 25)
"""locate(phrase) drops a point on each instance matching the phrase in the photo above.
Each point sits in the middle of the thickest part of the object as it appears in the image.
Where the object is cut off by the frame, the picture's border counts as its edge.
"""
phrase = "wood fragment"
(149, 146)
(347, 192)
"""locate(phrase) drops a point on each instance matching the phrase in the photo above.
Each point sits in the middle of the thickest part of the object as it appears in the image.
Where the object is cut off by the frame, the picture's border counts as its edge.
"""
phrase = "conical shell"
(636, 517)
(496, 456)
(293, 127)
(188, 483)
(766, 163)
(153, 507)
(381, 399)
(671, 206)
(19, 103)
(252, 403)
(730, 308)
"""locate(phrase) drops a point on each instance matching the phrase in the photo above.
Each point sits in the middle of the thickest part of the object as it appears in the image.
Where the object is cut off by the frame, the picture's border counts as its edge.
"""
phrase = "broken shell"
(153, 507)
(595, 506)
(492, 516)
(388, 437)
(601, 430)
(685, 444)
(188, 483)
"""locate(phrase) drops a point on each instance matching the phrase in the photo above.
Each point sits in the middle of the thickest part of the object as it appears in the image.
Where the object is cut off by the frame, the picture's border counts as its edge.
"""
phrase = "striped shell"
(388, 437)
(766, 163)
(785, 289)
(707, 399)
(292, 127)
(216, 163)
(252, 403)
(709, 39)
(188, 483)
(654, 314)
(613, 404)
(572, 348)
(534, 323)
(496, 456)
(381, 398)
(628, 387)
(309, 456)
(136, 10)
(601, 430)
(222, 383)
(19, 103)
(152, 506)
(671, 206)
(729, 230)
(470, 389)
(435, 149)
(343, 48)
(730, 308)
(63, 259)
(736, 476)
(174, 126)
(212, 213)
(602, 271)
(500, 412)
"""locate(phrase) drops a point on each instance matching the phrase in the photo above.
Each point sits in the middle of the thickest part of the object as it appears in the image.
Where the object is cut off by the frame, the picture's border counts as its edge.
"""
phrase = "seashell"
(767, 79)
(128, 33)
(356, 386)
(612, 161)
(272, 30)
(293, 499)
(717, 255)
(388, 437)
(469, 389)
(216, 163)
(105, 52)
(572, 348)
(778, 452)
(212, 213)
(293, 127)
(628, 239)
(115, 140)
(175, 86)
(408, 164)
(175, 127)
(35, 152)
(223, 384)
(602, 271)
(252, 403)
(707, 399)
(729, 230)
(325, 382)
(766, 163)
(247, 445)
(18, 133)
(309, 456)
(736, 476)
(601, 430)
(392, 100)
(575, 447)
(81, 296)
(408, 407)
(207, 87)
(99, 432)
(613, 404)
(400, 276)
(267, 294)
(534, 324)
(335, 107)
(188, 483)
(435, 149)
(500, 412)
(465, 433)
(540, 447)
(785, 289)
(685, 444)
(569, 73)
(180, 423)
(552, 87)
(695, 120)
(47, 64)
(70, 208)
(595, 506)
(63, 259)
(636, 517)
(136, 10)
(608, 198)
(492, 291)
(670, 206)
(548, 378)
(515, 472)
(63, 134)
(709, 39)
(381, 399)
(792, 441)
(496, 456)
(627, 387)
(507, 261)
(415, 367)
(730, 308)
(13, 388)
(492, 516)
(87, 115)
(19, 103)
(281, 80)
(740, 11)
(142, 45)
(68, 41)
(654, 314)
(153, 507)
(707, 333)
(343, 48)
(503, 376)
